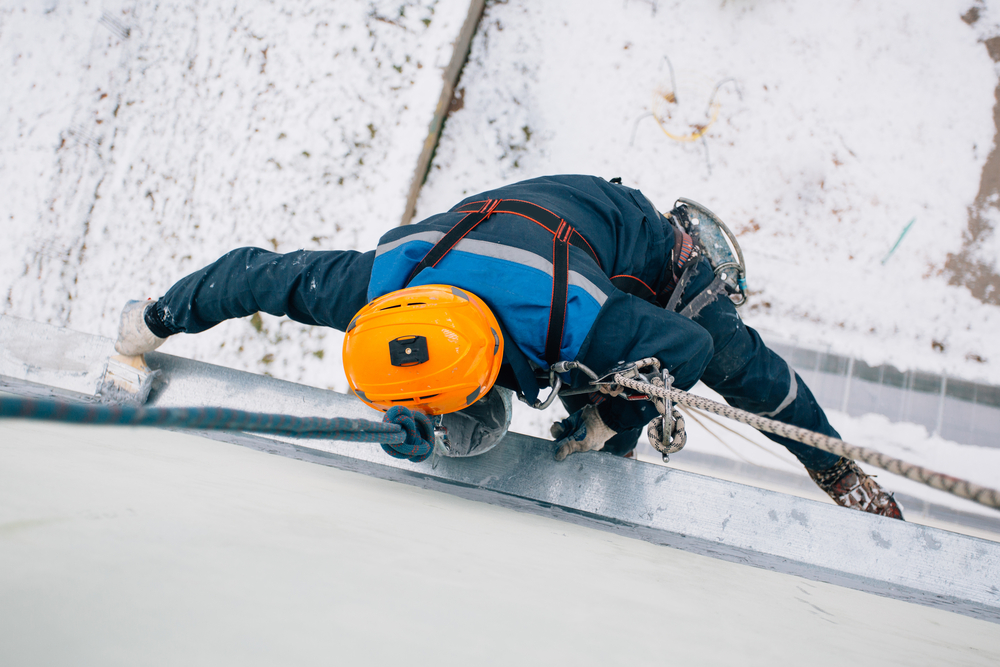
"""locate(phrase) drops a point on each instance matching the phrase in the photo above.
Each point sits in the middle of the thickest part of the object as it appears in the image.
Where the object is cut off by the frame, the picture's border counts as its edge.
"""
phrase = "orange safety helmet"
(433, 348)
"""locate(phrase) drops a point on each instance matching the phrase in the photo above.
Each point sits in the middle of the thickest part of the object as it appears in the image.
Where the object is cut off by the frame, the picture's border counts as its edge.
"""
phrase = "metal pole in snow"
(898, 241)
(940, 415)
(847, 386)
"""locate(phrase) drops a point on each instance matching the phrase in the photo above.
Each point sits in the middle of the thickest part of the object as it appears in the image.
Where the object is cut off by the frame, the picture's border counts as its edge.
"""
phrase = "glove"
(582, 431)
(134, 337)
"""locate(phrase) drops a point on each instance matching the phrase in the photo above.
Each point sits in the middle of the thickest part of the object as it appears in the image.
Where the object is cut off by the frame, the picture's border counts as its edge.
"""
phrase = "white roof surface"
(121, 546)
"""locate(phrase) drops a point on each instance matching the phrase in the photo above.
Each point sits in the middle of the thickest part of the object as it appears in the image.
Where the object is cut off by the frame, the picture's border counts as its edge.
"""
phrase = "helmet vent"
(391, 307)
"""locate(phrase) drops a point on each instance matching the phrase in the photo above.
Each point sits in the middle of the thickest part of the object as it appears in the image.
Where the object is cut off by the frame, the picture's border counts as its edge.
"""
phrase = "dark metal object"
(718, 244)
(408, 351)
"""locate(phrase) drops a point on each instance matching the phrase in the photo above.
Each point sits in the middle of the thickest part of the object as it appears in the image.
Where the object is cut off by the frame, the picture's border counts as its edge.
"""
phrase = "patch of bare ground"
(965, 267)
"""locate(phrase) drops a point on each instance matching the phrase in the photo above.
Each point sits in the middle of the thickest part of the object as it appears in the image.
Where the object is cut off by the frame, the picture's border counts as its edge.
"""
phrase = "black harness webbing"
(539, 216)
(714, 290)
(678, 291)
(563, 236)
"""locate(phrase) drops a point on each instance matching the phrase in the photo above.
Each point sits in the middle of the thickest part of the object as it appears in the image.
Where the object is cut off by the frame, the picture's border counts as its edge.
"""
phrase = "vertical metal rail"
(847, 386)
(941, 397)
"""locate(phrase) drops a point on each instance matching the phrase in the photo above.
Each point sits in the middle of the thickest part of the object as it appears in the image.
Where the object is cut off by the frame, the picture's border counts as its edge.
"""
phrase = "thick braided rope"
(204, 419)
(958, 487)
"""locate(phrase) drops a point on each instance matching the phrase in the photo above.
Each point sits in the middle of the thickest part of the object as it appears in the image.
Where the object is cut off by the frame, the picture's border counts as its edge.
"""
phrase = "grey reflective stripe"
(530, 259)
(430, 237)
(590, 288)
(504, 252)
(793, 390)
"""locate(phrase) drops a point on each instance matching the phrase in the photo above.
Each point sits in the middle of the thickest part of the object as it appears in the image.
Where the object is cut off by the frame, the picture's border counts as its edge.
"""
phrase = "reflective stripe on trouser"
(752, 377)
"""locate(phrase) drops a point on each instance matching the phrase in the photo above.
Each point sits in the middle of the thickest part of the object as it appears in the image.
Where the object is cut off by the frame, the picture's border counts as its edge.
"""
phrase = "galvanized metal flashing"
(799, 483)
(669, 507)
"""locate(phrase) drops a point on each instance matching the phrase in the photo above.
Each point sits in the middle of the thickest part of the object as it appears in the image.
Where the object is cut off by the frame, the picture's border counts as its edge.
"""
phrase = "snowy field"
(835, 127)
(143, 140)
(830, 130)
(130, 162)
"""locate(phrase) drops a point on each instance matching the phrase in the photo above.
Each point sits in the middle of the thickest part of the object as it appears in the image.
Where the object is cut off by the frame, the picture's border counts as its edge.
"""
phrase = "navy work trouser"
(748, 375)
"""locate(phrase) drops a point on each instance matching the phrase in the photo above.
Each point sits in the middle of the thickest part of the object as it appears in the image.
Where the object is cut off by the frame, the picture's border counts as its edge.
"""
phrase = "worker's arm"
(629, 329)
(313, 287)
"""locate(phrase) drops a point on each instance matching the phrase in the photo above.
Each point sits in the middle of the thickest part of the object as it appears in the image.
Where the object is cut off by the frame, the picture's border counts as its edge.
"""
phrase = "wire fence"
(957, 410)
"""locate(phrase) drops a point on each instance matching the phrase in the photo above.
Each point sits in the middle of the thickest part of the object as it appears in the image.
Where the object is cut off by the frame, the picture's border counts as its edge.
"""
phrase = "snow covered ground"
(131, 158)
(130, 162)
(836, 126)
(832, 127)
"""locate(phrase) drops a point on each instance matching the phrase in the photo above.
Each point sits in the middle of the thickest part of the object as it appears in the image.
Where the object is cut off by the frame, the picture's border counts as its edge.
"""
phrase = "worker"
(552, 269)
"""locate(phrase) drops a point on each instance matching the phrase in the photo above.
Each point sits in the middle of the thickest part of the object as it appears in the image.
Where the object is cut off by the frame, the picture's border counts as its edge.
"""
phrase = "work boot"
(850, 486)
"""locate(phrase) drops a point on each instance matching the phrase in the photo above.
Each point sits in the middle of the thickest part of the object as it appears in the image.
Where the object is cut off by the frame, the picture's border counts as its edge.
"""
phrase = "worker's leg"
(753, 378)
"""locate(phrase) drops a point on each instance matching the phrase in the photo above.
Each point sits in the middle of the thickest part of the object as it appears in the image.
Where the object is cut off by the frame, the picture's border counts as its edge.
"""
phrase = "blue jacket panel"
(520, 299)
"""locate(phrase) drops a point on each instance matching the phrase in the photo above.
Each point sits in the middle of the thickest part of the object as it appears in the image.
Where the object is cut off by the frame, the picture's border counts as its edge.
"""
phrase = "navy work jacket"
(506, 261)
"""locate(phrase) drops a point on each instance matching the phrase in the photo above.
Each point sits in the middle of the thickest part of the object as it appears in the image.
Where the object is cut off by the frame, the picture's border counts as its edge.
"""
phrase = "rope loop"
(419, 434)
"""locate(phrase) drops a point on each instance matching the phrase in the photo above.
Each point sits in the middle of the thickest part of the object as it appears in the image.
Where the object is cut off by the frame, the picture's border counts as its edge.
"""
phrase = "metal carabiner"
(668, 413)
(556, 383)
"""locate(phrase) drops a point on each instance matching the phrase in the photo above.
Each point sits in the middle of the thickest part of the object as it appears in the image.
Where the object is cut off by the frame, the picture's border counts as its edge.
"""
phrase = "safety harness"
(684, 250)
(564, 235)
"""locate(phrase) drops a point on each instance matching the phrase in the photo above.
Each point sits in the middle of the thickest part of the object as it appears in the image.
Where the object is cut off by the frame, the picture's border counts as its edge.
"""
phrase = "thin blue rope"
(218, 419)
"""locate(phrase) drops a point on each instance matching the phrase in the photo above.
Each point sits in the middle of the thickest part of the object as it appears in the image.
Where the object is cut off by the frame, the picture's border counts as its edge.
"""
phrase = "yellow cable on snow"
(699, 130)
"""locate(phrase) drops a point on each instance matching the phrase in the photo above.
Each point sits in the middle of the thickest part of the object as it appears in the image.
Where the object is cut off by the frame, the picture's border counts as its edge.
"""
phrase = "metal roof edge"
(664, 506)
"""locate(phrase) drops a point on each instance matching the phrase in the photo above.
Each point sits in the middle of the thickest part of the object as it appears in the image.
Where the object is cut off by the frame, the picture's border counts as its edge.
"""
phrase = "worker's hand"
(611, 390)
(134, 337)
(582, 431)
